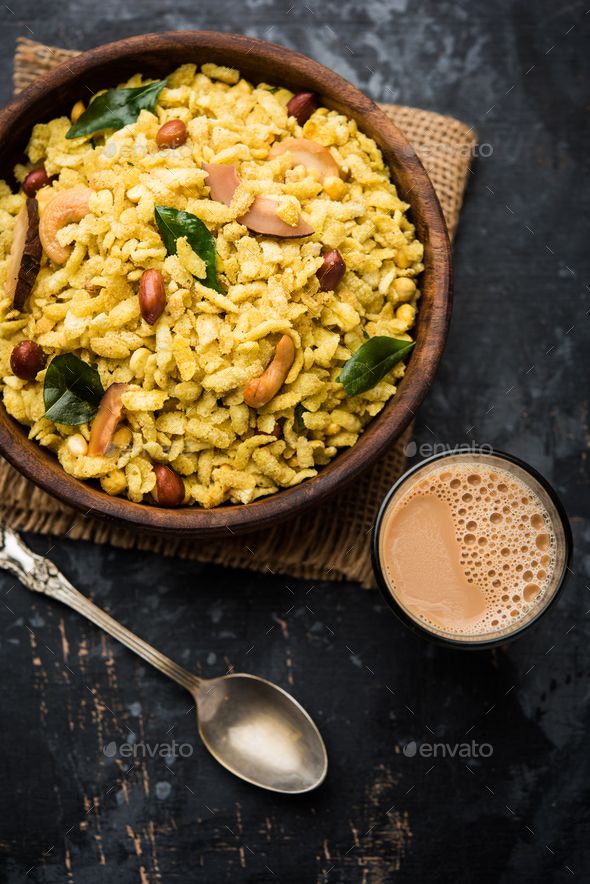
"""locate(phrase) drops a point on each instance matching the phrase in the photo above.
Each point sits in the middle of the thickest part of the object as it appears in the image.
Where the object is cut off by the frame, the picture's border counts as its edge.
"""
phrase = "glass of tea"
(471, 547)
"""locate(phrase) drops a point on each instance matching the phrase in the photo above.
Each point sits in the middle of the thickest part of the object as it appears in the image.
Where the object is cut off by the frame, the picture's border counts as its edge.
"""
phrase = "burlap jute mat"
(330, 543)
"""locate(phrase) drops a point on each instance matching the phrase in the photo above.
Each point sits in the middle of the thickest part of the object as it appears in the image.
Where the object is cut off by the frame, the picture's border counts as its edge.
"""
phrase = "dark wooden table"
(515, 375)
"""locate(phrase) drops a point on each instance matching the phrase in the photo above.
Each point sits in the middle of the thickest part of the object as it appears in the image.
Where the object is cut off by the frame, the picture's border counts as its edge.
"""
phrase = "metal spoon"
(251, 726)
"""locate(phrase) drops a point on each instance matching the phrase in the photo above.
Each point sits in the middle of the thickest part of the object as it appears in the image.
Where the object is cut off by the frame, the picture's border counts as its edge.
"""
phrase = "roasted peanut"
(105, 423)
(404, 288)
(77, 445)
(66, 207)
(406, 313)
(77, 111)
(27, 359)
(172, 134)
(35, 180)
(331, 271)
(169, 490)
(152, 295)
(123, 437)
(262, 389)
(302, 106)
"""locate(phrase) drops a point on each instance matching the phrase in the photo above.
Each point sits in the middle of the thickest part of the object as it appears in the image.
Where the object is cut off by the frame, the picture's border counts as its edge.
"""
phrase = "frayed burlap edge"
(329, 543)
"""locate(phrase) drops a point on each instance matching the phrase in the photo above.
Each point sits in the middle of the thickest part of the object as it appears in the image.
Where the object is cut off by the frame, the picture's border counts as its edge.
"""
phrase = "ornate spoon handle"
(41, 575)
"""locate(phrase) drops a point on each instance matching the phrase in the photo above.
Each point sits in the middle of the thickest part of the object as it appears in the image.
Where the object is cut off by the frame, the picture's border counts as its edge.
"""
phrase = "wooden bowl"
(157, 55)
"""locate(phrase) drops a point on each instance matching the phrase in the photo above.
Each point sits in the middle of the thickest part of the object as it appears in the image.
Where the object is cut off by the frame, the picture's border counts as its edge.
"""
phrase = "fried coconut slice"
(25, 255)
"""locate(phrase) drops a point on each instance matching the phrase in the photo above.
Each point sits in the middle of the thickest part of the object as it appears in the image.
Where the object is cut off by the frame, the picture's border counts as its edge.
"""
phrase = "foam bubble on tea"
(469, 548)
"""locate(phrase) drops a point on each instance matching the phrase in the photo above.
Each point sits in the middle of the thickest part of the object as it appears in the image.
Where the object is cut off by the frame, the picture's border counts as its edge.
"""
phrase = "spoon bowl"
(260, 733)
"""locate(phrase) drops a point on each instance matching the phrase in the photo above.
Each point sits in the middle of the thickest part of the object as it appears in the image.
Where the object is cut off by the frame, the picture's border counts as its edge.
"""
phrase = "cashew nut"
(67, 207)
(261, 390)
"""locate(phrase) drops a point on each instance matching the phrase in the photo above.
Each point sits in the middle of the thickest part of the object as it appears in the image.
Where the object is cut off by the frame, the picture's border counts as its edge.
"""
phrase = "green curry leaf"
(116, 108)
(173, 224)
(371, 362)
(72, 390)
(298, 422)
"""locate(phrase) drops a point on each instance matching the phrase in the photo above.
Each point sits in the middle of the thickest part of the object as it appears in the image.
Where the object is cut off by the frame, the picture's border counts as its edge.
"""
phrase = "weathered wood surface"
(515, 375)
